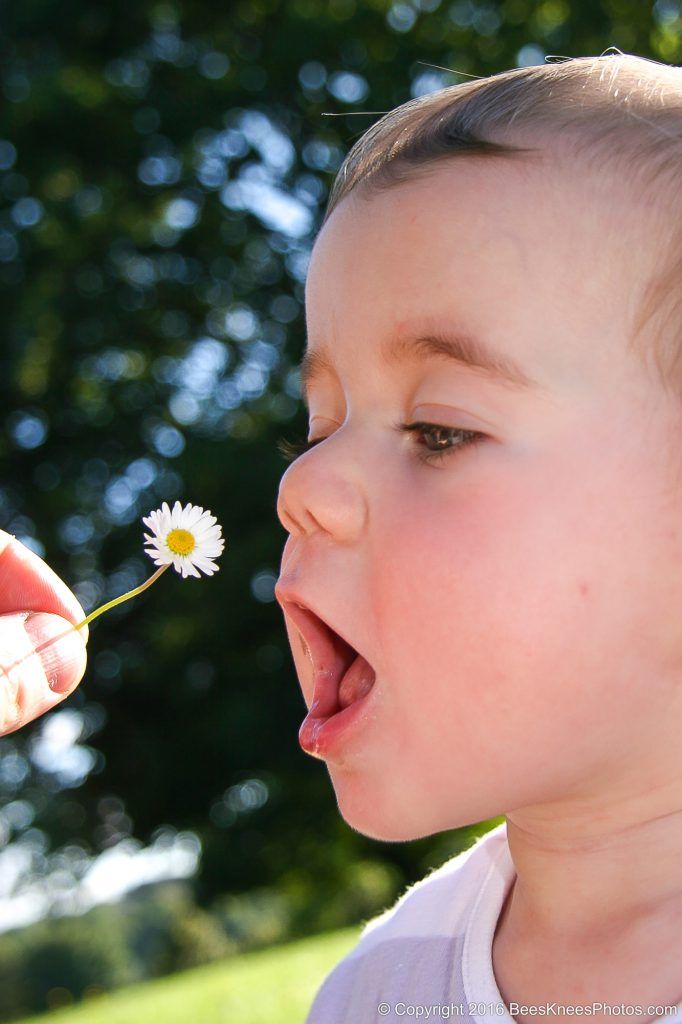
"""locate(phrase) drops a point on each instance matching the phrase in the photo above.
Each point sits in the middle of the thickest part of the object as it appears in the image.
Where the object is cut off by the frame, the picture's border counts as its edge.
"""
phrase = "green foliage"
(156, 930)
(63, 960)
(261, 917)
(16, 990)
(159, 930)
(366, 888)
(193, 939)
(268, 987)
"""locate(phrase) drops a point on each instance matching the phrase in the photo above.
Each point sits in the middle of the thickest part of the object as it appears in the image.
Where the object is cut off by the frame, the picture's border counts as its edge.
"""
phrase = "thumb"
(42, 659)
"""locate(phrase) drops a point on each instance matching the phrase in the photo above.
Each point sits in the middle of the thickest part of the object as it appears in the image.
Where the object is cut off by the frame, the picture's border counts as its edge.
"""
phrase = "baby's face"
(516, 596)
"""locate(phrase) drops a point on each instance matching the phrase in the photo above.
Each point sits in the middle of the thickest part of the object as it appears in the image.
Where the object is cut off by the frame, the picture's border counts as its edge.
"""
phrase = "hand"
(36, 607)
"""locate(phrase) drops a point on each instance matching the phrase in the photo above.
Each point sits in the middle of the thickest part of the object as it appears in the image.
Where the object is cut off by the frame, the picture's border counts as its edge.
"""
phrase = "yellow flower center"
(181, 542)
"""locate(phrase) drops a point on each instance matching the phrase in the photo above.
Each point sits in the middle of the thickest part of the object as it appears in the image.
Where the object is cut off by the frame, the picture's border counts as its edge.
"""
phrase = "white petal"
(159, 557)
(206, 565)
(204, 529)
(211, 538)
(195, 516)
(210, 550)
(157, 552)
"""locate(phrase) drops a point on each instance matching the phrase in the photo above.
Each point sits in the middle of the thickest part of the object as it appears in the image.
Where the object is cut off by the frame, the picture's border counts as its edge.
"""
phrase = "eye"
(440, 436)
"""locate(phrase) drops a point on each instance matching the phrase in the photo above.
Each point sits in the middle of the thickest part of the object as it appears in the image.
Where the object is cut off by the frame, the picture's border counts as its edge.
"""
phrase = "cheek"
(507, 605)
(483, 565)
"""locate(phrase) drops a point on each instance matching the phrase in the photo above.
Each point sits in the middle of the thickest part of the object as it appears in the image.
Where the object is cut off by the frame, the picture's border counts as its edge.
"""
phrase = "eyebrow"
(462, 349)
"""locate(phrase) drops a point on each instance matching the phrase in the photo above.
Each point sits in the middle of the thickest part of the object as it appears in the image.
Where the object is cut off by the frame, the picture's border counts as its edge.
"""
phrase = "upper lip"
(320, 636)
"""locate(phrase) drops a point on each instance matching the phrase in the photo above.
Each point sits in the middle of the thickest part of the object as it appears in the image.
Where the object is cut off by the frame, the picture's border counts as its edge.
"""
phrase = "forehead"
(508, 251)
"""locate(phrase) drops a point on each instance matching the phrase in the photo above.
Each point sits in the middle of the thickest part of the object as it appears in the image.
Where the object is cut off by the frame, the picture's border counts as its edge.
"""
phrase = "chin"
(393, 832)
(383, 823)
(397, 821)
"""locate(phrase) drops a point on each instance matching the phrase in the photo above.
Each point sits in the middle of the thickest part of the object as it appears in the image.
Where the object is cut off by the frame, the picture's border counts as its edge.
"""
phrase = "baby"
(482, 583)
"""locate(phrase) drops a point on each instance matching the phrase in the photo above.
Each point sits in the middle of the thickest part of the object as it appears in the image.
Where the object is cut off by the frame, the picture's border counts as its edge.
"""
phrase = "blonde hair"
(619, 113)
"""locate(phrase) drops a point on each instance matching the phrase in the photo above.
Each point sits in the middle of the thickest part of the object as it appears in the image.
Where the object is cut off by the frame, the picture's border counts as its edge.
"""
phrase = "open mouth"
(341, 675)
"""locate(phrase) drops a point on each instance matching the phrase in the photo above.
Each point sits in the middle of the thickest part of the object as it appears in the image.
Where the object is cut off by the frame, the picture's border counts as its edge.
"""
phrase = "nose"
(322, 490)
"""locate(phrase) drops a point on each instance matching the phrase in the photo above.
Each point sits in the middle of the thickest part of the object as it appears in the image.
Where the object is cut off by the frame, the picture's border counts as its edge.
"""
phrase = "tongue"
(357, 681)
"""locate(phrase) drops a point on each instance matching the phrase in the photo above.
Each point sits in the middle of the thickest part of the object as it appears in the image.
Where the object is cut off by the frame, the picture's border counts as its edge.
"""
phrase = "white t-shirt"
(429, 956)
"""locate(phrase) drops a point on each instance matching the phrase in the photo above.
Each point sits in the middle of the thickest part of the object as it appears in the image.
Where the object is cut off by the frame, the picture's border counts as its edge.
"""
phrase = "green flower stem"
(122, 598)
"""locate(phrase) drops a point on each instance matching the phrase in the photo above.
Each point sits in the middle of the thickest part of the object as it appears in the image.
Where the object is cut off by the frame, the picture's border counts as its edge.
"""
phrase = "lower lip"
(323, 737)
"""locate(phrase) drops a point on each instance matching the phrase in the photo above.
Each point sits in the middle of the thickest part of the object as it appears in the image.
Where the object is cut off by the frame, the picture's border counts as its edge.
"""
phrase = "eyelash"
(292, 449)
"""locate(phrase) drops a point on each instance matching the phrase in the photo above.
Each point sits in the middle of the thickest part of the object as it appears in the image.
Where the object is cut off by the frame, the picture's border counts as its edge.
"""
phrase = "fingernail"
(60, 648)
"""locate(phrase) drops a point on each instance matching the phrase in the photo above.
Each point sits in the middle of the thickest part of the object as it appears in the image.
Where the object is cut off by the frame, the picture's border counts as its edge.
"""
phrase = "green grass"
(270, 986)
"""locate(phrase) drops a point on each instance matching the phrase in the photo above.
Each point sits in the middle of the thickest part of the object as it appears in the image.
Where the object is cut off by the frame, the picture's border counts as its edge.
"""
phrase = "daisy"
(187, 538)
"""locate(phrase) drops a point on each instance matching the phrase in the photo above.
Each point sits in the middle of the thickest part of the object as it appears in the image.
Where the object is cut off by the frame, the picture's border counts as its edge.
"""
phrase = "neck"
(593, 879)
(595, 906)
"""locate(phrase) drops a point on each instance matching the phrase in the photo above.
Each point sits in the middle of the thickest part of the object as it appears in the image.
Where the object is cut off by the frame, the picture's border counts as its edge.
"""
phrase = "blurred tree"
(163, 169)
(67, 961)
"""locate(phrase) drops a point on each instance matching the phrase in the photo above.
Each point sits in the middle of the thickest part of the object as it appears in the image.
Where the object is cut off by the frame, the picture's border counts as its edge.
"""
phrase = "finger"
(42, 660)
(27, 583)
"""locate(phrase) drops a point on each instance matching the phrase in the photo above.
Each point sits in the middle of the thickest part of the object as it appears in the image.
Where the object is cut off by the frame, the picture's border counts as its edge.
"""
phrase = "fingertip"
(28, 582)
(5, 540)
(61, 649)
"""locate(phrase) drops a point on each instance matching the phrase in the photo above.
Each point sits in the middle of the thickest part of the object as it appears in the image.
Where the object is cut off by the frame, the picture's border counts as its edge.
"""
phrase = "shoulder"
(415, 937)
